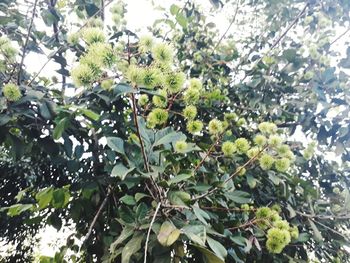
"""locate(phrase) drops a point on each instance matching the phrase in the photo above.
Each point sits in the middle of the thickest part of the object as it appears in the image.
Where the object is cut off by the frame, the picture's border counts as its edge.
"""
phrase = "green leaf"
(44, 197)
(90, 114)
(182, 20)
(168, 234)
(139, 196)
(131, 248)
(239, 197)
(128, 200)
(218, 249)
(60, 198)
(60, 127)
(17, 209)
(170, 137)
(209, 256)
(116, 144)
(200, 214)
(196, 233)
(121, 89)
(125, 234)
(179, 178)
(317, 234)
(179, 197)
(174, 9)
(119, 170)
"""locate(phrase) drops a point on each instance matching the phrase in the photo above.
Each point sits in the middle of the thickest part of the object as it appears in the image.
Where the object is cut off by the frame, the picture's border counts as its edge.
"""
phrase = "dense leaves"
(184, 145)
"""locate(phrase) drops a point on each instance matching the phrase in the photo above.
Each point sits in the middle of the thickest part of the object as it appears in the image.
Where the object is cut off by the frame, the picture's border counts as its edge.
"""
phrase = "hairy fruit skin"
(180, 146)
(228, 148)
(195, 126)
(11, 92)
(215, 127)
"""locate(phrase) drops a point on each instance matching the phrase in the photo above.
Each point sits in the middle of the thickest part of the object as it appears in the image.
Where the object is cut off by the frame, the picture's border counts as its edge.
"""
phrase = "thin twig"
(149, 232)
(289, 27)
(213, 190)
(340, 36)
(26, 43)
(99, 211)
(228, 28)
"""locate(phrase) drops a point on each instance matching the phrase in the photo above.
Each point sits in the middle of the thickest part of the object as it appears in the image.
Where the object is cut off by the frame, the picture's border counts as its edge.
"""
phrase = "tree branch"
(99, 211)
(26, 43)
(213, 190)
(149, 232)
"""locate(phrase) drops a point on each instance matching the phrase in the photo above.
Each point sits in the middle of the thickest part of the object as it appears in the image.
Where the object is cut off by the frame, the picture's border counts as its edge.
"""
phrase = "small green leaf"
(170, 137)
(179, 197)
(209, 256)
(116, 144)
(200, 214)
(44, 197)
(126, 233)
(128, 200)
(90, 114)
(218, 249)
(174, 9)
(182, 20)
(168, 234)
(60, 127)
(179, 178)
(17, 209)
(131, 247)
(317, 234)
(60, 198)
(119, 170)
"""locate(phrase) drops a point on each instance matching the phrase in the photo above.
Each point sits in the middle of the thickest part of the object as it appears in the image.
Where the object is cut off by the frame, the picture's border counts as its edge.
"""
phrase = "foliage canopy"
(182, 145)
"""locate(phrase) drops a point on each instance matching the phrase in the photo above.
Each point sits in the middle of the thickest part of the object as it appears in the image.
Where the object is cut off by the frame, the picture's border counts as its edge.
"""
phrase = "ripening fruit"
(281, 224)
(308, 75)
(230, 116)
(242, 145)
(191, 96)
(82, 75)
(143, 100)
(93, 63)
(277, 239)
(151, 77)
(215, 127)
(93, 35)
(7, 49)
(253, 152)
(174, 82)
(134, 75)
(245, 207)
(190, 112)
(283, 149)
(260, 140)
(336, 190)
(275, 141)
(145, 44)
(274, 216)
(195, 84)
(262, 215)
(157, 117)
(241, 171)
(241, 122)
(194, 127)
(264, 127)
(163, 53)
(11, 92)
(228, 148)
(282, 164)
(107, 84)
(160, 101)
(263, 212)
(103, 53)
(73, 39)
(277, 208)
(266, 161)
(180, 146)
(294, 232)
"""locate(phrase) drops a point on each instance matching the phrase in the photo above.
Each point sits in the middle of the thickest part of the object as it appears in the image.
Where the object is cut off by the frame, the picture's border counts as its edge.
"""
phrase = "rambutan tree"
(186, 144)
